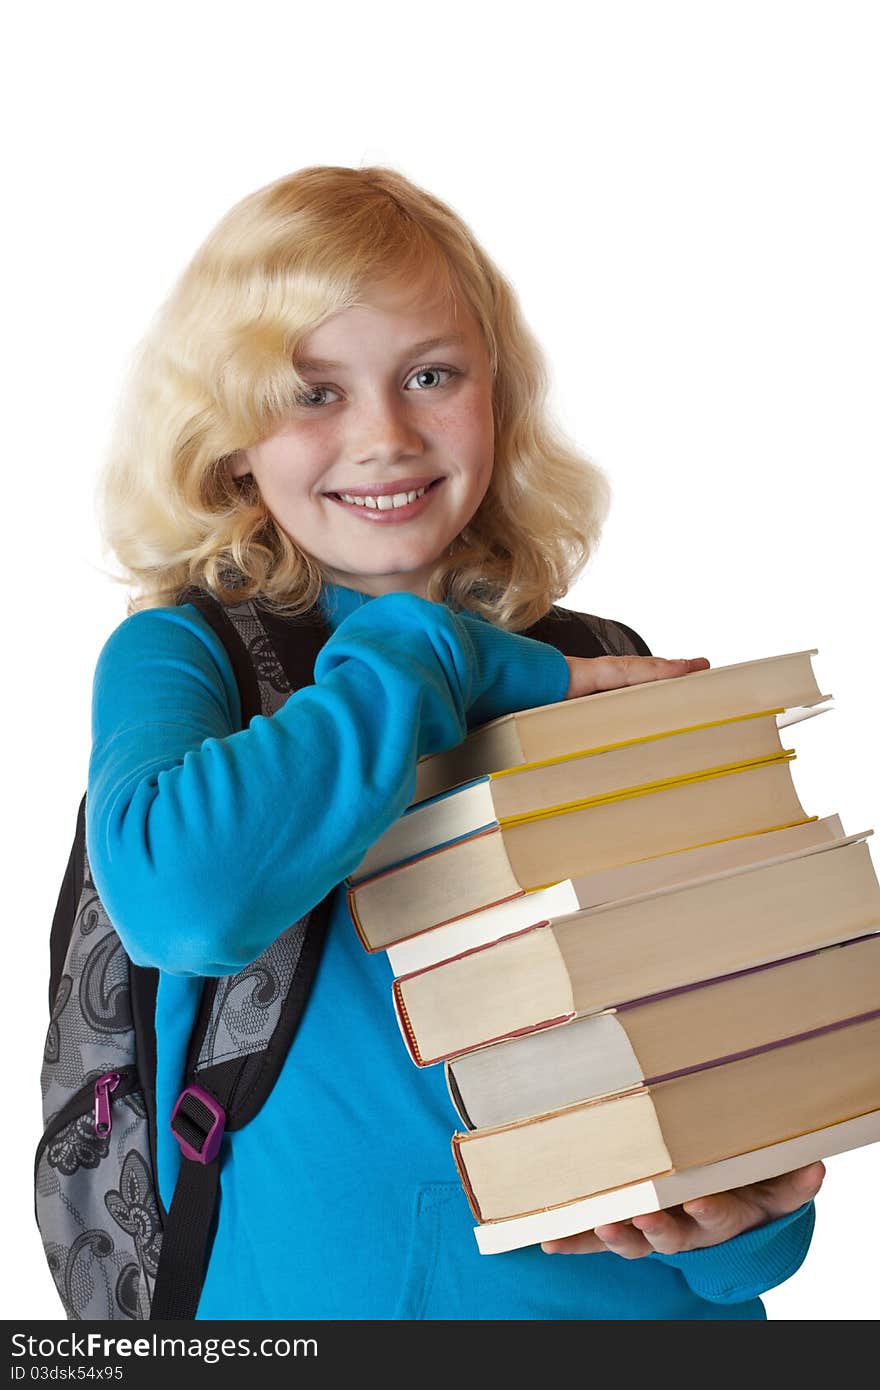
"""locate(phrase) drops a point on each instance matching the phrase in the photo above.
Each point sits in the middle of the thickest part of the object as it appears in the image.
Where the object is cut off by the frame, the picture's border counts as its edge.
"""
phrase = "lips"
(386, 489)
(374, 513)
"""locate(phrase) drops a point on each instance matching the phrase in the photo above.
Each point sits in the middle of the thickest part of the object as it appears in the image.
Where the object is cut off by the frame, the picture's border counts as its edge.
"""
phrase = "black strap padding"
(143, 985)
(258, 1071)
(67, 904)
(245, 676)
(188, 1235)
(190, 1226)
(638, 642)
(297, 642)
(574, 634)
(565, 630)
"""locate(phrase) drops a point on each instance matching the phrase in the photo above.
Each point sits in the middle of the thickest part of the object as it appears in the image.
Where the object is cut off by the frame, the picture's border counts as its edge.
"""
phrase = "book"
(643, 1042)
(649, 972)
(697, 1118)
(588, 961)
(614, 716)
(557, 783)
(505, 861)
(671, 1189)
(606, 885)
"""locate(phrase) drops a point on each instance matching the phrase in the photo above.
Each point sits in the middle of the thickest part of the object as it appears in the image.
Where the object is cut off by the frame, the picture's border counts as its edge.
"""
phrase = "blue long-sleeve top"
(206, 840)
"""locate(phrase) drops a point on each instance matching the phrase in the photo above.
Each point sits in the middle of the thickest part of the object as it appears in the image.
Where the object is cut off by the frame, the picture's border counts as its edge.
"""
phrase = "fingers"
(586, 1243)
(621, 1238)
(662, 1231)
(591, 674)
(669, 1233)
(704, 1221)
(778, 1196)
(624, 1239)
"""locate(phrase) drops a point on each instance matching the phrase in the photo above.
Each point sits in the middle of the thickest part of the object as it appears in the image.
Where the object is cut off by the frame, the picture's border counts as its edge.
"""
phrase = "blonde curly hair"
(215, 374)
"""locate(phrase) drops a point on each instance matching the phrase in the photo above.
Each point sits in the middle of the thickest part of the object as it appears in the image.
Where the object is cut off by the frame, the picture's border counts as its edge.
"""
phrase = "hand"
(697, 1224)
(590, 674)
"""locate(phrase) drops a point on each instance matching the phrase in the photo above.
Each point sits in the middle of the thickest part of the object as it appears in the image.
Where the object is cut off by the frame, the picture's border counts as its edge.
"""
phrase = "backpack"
(113, 1249)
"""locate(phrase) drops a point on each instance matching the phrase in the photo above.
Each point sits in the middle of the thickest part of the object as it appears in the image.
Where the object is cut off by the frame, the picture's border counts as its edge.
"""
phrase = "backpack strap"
(230, 1072)
(585, 634)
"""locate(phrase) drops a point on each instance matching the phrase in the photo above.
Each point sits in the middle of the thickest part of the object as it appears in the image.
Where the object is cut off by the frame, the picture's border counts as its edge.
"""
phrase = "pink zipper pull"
(108, 1082)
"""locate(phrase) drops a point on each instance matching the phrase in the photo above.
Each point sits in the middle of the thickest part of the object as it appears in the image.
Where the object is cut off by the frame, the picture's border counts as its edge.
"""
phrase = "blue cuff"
(511, 672)
(751, 1263)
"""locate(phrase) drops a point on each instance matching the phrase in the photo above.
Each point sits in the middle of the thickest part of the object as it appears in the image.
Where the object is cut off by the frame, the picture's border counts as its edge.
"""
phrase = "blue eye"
(308, 403)
(421, 371)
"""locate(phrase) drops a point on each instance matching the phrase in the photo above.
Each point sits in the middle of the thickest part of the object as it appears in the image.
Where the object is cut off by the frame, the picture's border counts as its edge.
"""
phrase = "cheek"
(469, 427)
(483, 443)
(287, 471)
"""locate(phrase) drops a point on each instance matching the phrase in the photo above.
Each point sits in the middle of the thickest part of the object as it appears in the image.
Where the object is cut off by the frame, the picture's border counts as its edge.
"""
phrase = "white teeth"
(384, 504)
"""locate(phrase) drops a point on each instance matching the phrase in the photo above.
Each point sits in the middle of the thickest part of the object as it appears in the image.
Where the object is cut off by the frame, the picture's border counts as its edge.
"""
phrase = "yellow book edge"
(705, 844)
(631, 742)
(646, 788)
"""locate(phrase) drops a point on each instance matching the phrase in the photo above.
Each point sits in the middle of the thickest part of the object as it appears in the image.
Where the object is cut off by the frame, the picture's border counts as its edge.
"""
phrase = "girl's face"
(385, 415)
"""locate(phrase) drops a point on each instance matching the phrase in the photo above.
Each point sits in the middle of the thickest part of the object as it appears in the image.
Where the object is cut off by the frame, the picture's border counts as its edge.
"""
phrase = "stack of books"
(649, 974)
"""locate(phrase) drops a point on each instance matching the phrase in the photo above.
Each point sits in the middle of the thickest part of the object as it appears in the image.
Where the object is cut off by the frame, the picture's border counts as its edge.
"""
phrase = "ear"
(239, 464)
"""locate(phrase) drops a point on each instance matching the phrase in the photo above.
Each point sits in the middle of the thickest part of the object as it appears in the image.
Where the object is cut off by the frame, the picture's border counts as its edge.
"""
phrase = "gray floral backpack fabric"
(113, 1249)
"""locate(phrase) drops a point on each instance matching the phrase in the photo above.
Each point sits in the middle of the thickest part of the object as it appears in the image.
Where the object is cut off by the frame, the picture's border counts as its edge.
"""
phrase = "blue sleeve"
(207, 840)
(751, 1263)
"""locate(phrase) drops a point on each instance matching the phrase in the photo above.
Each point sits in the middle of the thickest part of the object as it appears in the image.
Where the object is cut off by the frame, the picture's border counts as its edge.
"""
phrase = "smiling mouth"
(387, 502)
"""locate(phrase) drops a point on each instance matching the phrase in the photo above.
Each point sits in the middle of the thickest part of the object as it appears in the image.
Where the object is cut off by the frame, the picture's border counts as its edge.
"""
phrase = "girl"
(341, 403)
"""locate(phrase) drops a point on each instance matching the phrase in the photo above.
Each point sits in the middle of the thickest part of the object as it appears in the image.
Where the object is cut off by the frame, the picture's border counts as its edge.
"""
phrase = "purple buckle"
(200, 1100)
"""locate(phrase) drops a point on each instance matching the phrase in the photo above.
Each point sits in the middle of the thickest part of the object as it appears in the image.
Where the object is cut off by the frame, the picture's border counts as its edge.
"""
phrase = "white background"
(685, 196)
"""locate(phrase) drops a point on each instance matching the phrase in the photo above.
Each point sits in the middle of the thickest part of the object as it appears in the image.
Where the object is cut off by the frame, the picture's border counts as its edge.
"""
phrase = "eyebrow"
(323, 364)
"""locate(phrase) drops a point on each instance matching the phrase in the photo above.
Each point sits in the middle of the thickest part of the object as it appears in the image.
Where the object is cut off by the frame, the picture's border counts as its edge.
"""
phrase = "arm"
(206, 840)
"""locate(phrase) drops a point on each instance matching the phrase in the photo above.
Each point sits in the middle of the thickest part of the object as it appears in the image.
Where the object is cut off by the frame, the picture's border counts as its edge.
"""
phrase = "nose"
(383, 429)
